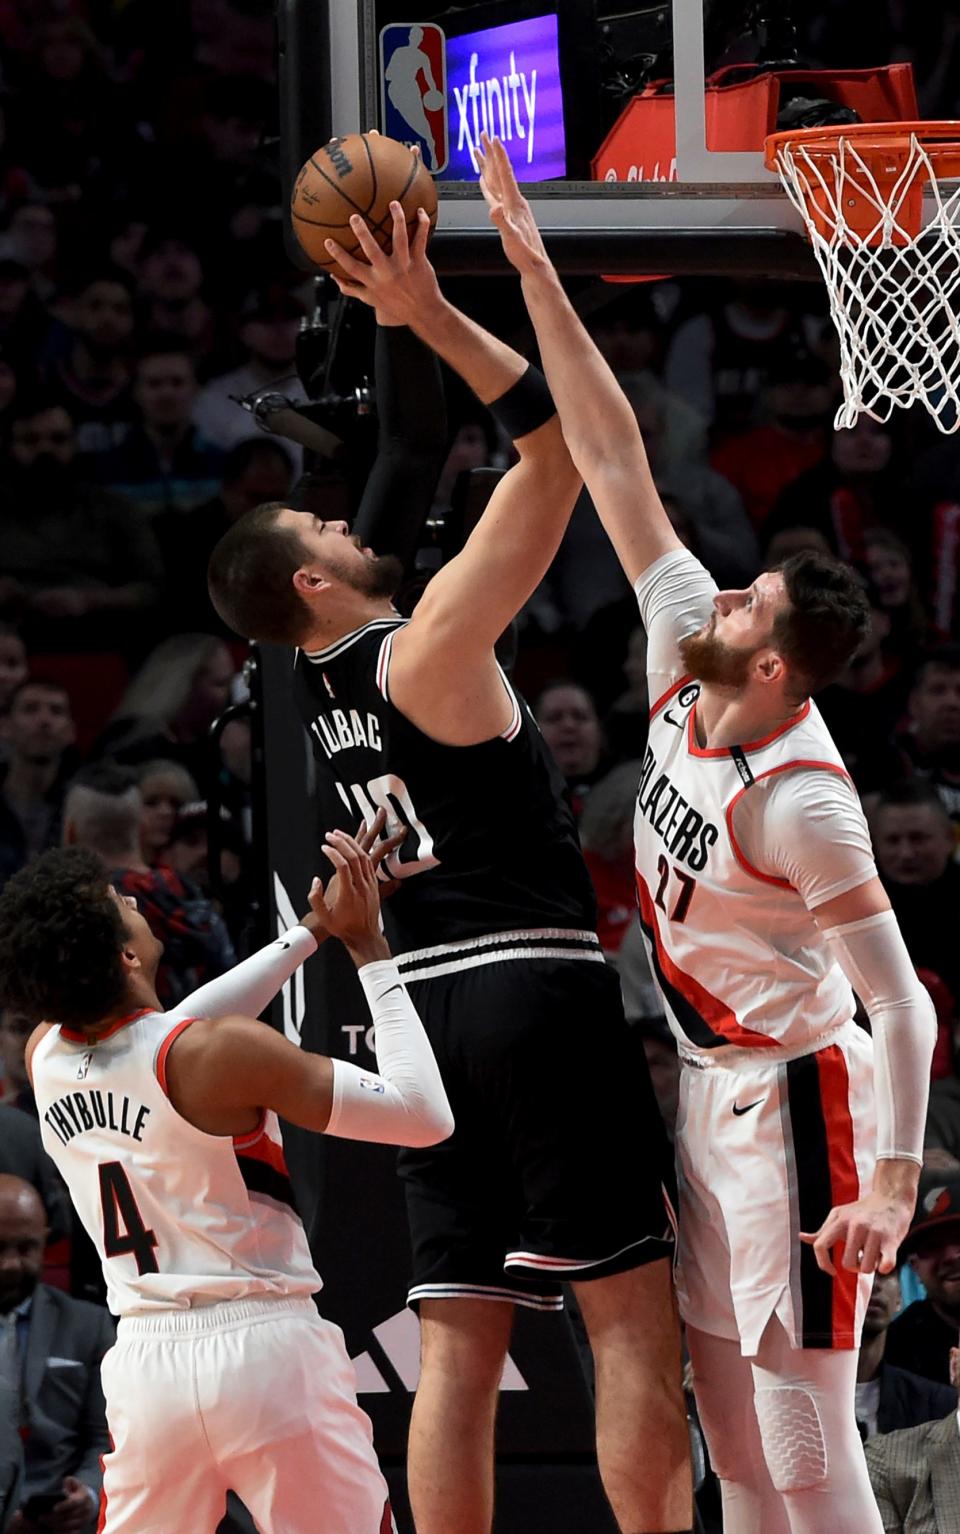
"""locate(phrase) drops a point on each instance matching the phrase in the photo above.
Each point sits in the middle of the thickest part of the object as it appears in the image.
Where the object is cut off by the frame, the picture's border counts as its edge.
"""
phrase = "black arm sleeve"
(411, 448)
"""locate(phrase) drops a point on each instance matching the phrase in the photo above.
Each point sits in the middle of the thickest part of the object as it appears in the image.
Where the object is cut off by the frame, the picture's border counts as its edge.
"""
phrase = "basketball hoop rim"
(940, 140)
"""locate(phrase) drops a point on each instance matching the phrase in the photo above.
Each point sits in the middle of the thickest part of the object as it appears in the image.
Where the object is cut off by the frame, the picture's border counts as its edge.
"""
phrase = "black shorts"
(558, 1168)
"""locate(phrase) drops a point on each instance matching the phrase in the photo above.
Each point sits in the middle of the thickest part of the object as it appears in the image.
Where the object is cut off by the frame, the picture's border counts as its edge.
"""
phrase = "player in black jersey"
(554, 1172)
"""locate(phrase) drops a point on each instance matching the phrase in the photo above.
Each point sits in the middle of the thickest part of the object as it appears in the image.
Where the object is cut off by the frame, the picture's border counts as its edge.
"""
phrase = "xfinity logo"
(515, 97)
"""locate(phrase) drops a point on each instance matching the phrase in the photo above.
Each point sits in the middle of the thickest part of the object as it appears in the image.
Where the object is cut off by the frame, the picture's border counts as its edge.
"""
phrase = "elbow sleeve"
(406, 1104)
(874, 958)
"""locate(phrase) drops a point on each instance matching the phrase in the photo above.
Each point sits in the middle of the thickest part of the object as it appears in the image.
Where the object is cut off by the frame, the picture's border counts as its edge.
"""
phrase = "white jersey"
(737, 956)
(179, 1217)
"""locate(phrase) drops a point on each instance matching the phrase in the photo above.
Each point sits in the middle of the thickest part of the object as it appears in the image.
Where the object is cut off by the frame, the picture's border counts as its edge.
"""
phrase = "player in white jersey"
(164, 1127)
(763, 914)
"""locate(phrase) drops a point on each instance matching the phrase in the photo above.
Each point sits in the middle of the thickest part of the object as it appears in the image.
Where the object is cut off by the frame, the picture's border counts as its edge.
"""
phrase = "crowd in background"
(143, 287)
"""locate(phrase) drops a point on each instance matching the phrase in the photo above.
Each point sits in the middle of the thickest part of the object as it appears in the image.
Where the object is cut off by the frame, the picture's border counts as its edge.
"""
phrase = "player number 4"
(687, 886)
(124, 1233)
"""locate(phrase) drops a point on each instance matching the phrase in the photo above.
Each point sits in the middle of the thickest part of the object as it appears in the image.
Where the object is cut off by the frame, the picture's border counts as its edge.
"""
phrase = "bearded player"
(799, 1140)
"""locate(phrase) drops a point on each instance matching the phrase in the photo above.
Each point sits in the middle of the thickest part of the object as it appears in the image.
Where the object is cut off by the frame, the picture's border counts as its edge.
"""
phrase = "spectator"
(60, 1345)
(866, 704)
(855, 489)
(943, 1118)
(606, 835)
(91, 374)
(792, 540)
(568, 722)
(269, 335)
(890, 568)
(625, 726)
(73, 557)
(171, 282)
(915, 1475)
(163, 462)
(253, 472)
(931, 745)
(15, 1088)
(720, 358)
(32, 237)
(922, 1337)
(103, 811)
(914, 843)
(889, 1398)
(762, 462)
(165, 787)
(181, 688)
(9, 384)
(66, 123)
(13, 664)
(725, 539)
(22, 1155)
(39, 732)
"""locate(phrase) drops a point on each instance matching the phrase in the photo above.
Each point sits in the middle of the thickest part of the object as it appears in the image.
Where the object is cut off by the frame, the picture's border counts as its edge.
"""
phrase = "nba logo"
(413, 88)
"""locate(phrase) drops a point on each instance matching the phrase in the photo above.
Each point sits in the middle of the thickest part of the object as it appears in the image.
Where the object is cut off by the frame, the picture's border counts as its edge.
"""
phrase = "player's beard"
(714, 663)
(379, 576)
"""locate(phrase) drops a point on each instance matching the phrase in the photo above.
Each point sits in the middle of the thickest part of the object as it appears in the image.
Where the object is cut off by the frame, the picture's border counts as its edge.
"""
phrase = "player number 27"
(687, 887)
(124, 1232)
(390, 793)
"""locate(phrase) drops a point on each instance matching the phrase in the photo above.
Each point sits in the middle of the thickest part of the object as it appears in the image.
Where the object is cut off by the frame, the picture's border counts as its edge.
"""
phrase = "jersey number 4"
(124, 1232)
(390, 793)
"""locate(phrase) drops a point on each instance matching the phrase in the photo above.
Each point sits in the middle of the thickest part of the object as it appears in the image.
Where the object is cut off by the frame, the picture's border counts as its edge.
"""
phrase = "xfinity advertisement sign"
(505, 81)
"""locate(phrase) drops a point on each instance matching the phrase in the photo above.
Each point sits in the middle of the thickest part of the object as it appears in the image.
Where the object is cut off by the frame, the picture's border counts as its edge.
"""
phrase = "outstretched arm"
(220, 1074)
(598, 423)
(475, 596)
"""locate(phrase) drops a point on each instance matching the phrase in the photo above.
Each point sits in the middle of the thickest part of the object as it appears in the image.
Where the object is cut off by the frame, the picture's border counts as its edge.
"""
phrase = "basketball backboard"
(718, 211)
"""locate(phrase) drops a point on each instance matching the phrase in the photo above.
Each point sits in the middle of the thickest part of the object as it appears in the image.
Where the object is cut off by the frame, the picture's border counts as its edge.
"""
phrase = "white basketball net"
(893, 303)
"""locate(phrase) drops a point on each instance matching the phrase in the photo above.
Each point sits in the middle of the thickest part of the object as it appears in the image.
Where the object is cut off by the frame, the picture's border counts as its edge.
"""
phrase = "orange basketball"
(362, 173)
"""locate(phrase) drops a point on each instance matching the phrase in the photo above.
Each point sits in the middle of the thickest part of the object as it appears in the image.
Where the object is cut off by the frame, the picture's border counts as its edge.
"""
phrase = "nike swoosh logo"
(740, 1111)
(389, 989)
(668, 716)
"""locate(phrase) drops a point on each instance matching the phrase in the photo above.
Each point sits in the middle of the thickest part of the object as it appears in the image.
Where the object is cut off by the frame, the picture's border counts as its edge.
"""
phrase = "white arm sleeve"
(406, 1104)
(250, 986)
(675, 596)
(874, 958)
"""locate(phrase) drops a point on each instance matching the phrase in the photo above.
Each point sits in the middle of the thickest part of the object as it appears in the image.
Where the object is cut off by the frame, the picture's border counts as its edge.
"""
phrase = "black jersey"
(492, 844)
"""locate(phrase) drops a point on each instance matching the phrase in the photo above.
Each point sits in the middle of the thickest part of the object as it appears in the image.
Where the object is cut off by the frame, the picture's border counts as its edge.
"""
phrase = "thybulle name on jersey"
(344, 729)
(76, 1112)
(687, 835)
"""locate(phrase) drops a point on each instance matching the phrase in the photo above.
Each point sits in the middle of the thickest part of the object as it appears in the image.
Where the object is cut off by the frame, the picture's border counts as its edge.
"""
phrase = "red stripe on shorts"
(844, 1178)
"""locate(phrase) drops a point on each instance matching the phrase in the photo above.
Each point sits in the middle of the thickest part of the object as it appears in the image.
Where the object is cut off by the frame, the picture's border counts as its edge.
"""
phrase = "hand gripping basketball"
(399, 285)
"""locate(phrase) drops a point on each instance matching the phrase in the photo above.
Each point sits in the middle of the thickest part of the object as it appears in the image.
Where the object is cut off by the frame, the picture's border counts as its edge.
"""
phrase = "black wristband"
(526, 405)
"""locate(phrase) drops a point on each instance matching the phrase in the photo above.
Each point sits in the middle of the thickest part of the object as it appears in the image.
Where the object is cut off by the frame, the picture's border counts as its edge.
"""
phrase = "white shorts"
(258, 1397)
(765, 1148)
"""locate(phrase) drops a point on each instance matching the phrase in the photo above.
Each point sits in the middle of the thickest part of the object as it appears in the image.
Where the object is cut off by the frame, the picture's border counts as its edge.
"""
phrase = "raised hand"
(509, 210)
(399, 285)
(350, 907)
(370, 839)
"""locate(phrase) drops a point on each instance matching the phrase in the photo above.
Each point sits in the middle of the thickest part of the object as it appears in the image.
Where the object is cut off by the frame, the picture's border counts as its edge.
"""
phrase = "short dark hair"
(945, 657)
(250, 577)
(61, 936)
(243, 454)
(39, 684)
(911, 794)
(163, 344)
(826, 619)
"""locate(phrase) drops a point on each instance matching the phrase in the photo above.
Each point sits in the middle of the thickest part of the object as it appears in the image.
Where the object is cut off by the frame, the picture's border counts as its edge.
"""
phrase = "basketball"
(433, 101)
(361, 173)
